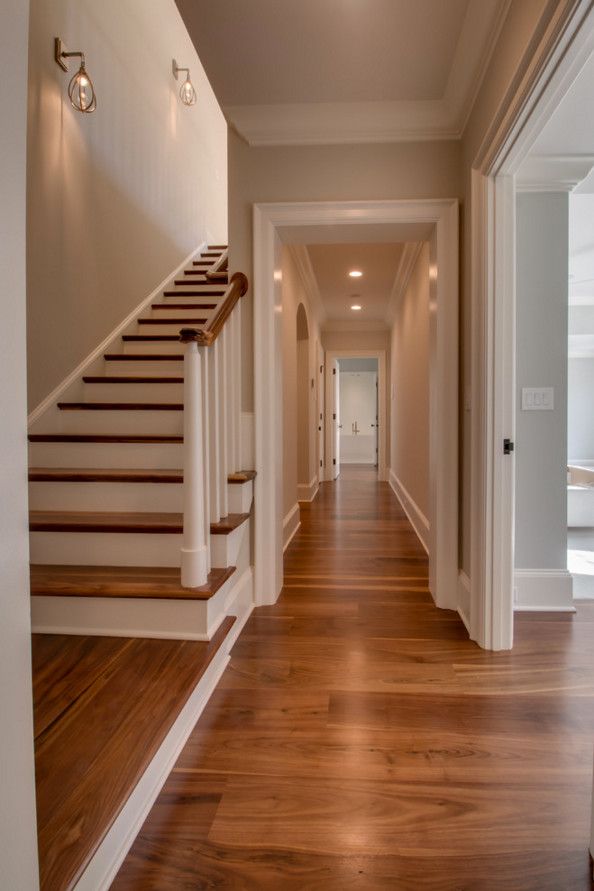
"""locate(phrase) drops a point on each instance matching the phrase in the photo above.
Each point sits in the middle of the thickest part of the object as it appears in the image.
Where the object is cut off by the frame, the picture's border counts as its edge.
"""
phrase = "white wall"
(118, 198)
(409, 456)
(580, 410)
(18, 836)
(541, 361)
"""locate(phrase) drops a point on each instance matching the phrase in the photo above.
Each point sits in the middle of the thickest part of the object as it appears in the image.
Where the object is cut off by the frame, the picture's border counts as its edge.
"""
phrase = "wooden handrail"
(218, 270)
(206, 337)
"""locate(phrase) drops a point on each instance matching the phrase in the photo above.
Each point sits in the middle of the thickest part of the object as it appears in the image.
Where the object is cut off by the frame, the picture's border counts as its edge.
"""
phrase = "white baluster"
(237, 370)
(224, 421)
(194, 552)
(214, 411)
(206, 451)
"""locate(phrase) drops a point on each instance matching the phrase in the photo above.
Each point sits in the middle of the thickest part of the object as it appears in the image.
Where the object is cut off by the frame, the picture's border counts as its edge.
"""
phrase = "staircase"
(139, 505)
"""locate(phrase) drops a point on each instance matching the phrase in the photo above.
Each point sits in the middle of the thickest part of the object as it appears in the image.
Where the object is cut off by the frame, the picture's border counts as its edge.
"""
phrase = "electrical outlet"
(538, 399)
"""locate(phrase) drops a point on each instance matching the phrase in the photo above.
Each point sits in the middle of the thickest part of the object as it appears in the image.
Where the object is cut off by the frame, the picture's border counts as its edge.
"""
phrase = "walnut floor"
(359, 740)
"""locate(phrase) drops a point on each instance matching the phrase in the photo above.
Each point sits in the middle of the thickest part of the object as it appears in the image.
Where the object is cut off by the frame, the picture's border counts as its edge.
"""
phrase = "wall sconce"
(81, 91)
(187, 93)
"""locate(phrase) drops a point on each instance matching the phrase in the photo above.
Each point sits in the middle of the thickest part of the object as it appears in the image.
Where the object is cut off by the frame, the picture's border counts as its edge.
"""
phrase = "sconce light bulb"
(81, 92)
(187, 92)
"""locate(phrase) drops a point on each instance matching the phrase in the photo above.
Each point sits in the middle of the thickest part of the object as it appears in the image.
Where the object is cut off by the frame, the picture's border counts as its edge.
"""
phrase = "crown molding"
(553, 173)
(408, 260)
(300, 255)
(335, 123)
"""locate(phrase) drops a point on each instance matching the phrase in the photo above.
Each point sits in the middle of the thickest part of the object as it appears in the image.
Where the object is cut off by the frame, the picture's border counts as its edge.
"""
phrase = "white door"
(358, 416)
(320, 415)
(335, 409)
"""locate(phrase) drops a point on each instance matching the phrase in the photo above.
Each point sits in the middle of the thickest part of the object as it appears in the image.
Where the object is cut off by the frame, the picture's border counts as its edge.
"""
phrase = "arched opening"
(303, 401)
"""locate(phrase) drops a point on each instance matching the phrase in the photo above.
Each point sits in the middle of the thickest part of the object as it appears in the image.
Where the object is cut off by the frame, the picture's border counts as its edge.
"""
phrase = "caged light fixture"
(187, 93)
(81, 91)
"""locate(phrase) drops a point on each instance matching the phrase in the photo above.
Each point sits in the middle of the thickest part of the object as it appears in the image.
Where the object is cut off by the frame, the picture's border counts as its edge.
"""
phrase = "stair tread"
(130, 379)
(241, 476)
(149, 582)
(123, 521)
(113, 719)
(176, 306)
(170, 321)
(121, 406)
(144, 338)
(104, 475)
(188, 291)
(105, 437)
(143, 357)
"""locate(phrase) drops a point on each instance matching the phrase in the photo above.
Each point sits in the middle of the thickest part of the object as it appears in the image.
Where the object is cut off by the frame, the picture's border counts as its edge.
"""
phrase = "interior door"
(336, 418)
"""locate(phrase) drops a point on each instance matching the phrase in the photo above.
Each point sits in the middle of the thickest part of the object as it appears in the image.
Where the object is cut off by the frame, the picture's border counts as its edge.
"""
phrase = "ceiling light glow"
(355, 273)
(356, 307)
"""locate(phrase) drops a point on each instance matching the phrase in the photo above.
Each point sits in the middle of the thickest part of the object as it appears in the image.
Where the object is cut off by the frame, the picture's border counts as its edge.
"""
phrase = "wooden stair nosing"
(136, 582)
(132, 379)
(121, 406)
(169, 321)
(139, 439)
(189, 291)
(102, 475)
(143, 357)
(168, 306)
(241, 476)
(125, 522)
(150, 338)
(69, 804)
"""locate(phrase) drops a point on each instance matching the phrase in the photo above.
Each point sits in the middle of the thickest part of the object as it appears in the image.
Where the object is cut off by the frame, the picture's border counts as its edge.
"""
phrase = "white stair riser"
(240, 497)
(133, 347)
(142, 423)
(165, 328)
(150, 368)
(151, 497)
(225, 549)
(105, 548)
(134, 392)
(122, 455)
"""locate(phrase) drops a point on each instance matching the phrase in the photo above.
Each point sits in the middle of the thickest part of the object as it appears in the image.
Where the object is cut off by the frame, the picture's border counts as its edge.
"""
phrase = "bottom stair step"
(106, 709)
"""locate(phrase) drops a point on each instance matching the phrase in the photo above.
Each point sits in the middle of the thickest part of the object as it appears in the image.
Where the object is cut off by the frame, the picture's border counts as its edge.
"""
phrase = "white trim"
(308, 491)
(416, 517)
(553, 173)
(300, 255)
(408, 260)
(247, 461)
(327, 123)
(103, 867)
(382, 387)
(103, 347)
(543, 590)
(464, 594)
(291, 524)
(268, 219)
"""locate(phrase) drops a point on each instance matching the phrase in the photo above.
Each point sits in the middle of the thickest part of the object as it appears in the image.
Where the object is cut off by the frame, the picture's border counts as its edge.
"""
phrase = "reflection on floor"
(580, 561)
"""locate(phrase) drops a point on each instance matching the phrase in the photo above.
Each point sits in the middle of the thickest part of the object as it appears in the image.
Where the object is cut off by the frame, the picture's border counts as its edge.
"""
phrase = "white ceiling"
(317, 71)
(331, 264)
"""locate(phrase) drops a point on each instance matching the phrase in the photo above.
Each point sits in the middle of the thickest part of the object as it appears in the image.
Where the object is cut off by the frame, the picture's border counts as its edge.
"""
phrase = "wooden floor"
(359, 740)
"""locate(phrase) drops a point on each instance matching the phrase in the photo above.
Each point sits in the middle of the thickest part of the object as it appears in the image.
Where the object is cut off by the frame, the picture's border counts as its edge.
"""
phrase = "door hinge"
(334, 371)
(334, 460)
(321, 464)
(321, 368)
(333, 415)
(508, 446)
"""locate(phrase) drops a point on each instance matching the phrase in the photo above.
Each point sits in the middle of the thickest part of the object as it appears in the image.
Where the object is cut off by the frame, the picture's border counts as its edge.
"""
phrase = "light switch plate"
(538, 399)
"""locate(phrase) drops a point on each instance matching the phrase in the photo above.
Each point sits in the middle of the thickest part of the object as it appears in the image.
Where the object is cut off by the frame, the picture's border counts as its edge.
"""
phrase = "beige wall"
(326, 173)
(409, 454)
(298, 400)
(118, 198)
(18, 833)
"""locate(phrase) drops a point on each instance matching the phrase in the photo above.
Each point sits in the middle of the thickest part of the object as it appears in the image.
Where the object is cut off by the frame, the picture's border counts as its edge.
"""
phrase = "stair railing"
(212, 427)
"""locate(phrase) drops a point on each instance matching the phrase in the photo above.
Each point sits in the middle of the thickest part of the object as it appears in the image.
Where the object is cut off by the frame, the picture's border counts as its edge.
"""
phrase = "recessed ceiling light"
(355, 273)
(356, 307)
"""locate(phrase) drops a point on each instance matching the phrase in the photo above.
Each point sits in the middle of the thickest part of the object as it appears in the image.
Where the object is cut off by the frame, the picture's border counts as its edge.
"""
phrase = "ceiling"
(331, 263)
(318, 71)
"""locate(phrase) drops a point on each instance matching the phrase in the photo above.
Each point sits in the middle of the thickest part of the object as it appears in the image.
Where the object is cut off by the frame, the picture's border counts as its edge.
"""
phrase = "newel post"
(194, 552)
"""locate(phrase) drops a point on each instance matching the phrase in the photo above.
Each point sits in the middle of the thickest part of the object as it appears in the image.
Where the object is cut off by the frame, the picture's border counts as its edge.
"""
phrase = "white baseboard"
(110, 855)
(543, 590)
(291, 524)
(464, 599)
(417, 518)
(103, 347)
(308, 491)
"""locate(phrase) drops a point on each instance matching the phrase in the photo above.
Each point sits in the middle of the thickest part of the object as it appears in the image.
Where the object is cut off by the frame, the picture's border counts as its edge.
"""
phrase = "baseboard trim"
(417, 518)
(103, 347)
(110, 855)
(291, 524)
(308, 491)
(543, 590)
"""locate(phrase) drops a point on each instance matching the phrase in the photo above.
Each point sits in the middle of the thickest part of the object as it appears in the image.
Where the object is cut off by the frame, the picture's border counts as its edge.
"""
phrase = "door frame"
(559, 49)
(269, 219)
(380, 355)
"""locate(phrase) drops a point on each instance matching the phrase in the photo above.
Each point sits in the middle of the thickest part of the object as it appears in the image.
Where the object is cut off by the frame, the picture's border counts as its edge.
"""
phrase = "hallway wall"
(409, 453)
(18, 831)
(118, 198)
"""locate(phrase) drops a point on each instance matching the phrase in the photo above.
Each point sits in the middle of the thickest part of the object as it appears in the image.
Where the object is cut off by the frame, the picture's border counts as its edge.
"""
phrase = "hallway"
(359, 740)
